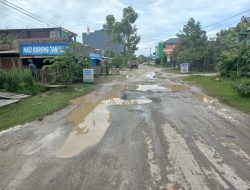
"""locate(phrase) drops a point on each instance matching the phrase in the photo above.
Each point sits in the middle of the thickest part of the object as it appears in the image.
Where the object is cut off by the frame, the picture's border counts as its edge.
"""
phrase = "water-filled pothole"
(93, 128)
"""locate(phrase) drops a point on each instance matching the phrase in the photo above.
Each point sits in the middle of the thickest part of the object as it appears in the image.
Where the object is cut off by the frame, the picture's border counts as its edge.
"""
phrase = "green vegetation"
(192, 46)
(38, 106)
(172, 70)
(125, 31)
(66, 68)
(242, 87)
(229, 52)
(20, 81)
(118, 60)
(177, 71)
(223, 90)
(234, 53)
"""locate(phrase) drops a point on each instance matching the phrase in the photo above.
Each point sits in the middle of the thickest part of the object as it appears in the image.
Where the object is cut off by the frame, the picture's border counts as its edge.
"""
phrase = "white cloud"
(158, 19)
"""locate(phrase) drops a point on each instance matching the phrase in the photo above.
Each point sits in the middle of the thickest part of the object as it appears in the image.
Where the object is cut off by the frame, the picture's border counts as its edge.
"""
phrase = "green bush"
(13, 80)
(20, 81)
(66, 68)
(3, 79)
(235, 62)
(33, 90)
(27, 78)
(242, 87)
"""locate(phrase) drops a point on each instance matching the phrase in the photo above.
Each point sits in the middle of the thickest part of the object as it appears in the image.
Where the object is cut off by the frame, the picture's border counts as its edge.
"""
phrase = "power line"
(19, 17)
(30, 13)
(226, 19)
(25, 12)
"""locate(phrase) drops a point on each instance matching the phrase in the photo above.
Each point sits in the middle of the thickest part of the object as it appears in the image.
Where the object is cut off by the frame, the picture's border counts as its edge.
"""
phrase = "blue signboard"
(42, 49)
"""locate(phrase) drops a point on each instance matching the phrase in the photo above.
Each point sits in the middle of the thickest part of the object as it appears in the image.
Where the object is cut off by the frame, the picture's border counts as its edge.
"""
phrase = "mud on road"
(145, 129)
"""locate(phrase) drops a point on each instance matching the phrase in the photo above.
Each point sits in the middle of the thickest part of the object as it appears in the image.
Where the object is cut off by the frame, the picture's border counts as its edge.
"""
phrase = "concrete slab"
(9, 95)
(4, 102)
(7, 98)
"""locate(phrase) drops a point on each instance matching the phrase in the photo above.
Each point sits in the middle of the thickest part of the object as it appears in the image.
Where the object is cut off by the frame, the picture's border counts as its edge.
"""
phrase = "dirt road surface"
(144, 129)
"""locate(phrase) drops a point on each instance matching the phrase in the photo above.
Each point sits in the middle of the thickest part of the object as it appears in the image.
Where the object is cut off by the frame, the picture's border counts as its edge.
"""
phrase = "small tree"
(192, 46)
(66, 67)
(124, 32)
(233, 53)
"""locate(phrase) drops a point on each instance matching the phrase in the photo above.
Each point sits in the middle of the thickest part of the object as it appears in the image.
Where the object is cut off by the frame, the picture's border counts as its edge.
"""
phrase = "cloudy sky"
(158, 19)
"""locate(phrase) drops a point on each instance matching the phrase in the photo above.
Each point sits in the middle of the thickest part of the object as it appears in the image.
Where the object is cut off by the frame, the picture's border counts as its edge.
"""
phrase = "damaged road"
(143, 130)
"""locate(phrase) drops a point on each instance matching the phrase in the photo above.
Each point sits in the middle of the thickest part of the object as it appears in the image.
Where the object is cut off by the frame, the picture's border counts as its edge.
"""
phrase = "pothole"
(150, 75)
(155, 99)
(152, 87)
(94, 126)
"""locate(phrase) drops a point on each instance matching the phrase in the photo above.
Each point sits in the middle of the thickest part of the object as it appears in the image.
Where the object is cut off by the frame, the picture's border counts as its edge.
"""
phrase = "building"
(160, 49)
(159, 52)
(169, 46)
(100, 39)
(19, 45)
(98, 42)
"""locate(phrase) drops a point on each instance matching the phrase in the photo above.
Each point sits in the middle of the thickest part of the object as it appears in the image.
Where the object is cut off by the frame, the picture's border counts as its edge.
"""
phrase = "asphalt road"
(144, 129)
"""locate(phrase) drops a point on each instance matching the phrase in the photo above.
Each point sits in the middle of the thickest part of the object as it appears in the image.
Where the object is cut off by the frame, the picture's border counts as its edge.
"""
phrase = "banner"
(42, 49)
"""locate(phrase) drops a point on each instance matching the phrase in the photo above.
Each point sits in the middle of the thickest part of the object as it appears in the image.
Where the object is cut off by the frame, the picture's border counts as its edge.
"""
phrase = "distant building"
(101, 41)
(159, 50)
(169, 46)
(19, 45)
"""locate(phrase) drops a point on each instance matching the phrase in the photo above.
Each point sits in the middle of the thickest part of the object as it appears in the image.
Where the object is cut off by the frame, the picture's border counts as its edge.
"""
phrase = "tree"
(192, 46)
(125, 31)
(142, 58)
(233, 53)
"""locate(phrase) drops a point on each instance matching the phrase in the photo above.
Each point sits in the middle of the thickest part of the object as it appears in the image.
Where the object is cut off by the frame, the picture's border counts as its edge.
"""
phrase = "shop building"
(19, 45)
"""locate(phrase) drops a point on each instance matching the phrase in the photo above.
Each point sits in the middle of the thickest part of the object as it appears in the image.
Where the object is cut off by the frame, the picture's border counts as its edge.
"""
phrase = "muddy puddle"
(93, 128)
(152, 87)
(175, 87)
(150, 75)
(204, 98)
(87, 103)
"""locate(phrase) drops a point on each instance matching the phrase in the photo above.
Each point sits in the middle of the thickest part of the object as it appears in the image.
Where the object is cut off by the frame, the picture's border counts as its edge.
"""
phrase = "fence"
(9, 63)
(44, 75)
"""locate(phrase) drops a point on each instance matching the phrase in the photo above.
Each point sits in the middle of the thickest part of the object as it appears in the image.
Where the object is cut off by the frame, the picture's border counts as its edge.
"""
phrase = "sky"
(158, 20)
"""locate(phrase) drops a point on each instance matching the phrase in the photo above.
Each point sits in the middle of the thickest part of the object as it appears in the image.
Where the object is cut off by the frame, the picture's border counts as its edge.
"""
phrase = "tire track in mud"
(154, 168)
(227, 172)
(183, 169)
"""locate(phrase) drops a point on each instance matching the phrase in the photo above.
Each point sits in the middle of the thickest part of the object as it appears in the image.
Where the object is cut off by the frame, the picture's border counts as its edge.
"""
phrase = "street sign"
(88, 75)
(184, 67)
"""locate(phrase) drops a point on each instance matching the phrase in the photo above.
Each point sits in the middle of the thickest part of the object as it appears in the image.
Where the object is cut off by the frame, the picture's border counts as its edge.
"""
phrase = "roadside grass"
(221, 89)
(172, 70)
(40, 105)
(177, 71)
